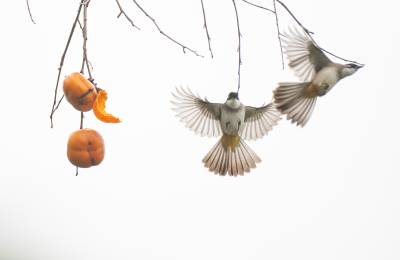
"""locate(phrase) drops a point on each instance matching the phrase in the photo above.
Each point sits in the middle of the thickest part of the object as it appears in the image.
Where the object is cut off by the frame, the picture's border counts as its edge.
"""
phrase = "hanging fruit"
(85, 148)
(79, 91)
(99, 107)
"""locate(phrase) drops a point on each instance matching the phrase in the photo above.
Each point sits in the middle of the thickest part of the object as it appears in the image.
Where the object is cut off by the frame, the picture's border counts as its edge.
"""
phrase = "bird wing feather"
(304, 57)
(198, 114)
(258, 121)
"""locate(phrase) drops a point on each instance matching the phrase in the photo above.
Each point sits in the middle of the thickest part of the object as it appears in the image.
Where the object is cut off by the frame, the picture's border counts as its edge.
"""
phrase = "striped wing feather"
(198, 115)
(259, 121)
(304, 57)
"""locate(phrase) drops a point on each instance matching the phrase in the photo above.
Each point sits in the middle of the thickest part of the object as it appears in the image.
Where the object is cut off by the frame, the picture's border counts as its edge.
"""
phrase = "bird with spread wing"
(317, 72)
(233, 122)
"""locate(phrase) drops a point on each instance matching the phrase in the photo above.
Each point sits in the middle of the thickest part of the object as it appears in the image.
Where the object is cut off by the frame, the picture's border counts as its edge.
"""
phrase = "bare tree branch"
(84, 35)
(29, 10)
(277, 25)
(294, 17)
(122, 12)
(239, 45)
(309, 33)
(54, 107)
(205, 27)
(259, 6)
(59, 102)
(184, 47)
(279, 34)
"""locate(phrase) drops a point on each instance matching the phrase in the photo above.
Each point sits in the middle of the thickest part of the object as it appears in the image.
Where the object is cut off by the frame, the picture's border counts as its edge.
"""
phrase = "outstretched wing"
(258, 121)
(304, 57)
(198, 115)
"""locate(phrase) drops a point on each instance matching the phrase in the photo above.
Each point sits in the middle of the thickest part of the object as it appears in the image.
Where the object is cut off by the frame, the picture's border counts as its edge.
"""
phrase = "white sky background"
(329, 190)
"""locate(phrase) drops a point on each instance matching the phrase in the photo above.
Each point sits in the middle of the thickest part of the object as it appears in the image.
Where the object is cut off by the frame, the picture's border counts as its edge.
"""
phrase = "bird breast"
(232, 120)
(327, 77)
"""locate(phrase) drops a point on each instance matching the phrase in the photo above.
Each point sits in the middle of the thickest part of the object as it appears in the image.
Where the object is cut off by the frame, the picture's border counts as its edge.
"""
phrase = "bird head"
(233, 95)
(350, 69)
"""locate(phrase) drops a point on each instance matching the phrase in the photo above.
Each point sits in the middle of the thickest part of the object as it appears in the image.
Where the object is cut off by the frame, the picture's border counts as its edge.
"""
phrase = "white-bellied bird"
(233, 122)
(317, 72)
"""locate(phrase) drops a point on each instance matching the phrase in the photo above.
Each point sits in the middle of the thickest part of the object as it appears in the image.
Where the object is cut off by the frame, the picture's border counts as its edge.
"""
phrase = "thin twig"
(59, 102)
(206, 28)
(122, 12)
(239, 45)
(259, 6)
(309, 33)
(29, 10)
(80, 25)
(84, 35)
(294, 17)
(279, 33)
(54, 108)
(184, 47)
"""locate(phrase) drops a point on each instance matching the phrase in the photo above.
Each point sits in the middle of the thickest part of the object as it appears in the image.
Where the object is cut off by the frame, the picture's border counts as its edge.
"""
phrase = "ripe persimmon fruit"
(85, 148)
(79, 91)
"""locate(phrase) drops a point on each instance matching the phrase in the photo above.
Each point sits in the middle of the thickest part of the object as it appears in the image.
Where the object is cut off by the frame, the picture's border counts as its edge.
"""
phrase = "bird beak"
(359, 66)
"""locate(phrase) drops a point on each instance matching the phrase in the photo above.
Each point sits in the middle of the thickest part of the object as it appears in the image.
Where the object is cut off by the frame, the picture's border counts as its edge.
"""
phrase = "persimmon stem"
(80, 127)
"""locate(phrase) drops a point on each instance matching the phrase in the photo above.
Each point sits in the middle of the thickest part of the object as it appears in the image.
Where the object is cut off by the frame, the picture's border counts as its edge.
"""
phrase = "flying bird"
(316, 71)
(233, 122)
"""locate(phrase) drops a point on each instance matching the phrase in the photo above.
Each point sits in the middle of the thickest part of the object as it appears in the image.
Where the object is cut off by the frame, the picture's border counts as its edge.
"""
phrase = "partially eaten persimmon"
(85, 148)
(79, 91)
(99, 107)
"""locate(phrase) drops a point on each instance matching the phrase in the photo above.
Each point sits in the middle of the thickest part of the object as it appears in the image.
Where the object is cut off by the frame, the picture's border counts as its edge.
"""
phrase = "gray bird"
(231, 120)
(317, 72)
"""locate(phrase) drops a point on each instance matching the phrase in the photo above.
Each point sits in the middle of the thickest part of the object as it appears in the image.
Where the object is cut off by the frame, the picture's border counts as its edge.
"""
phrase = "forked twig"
(309, 33)
(184, 47)
(259, 6)
(54, 107)
(294, 17)
(206, 29)
(122, 12)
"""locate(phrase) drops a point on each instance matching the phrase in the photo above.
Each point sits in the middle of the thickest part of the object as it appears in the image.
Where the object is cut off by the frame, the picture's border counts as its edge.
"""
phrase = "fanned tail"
(231, 155)
(291, 99)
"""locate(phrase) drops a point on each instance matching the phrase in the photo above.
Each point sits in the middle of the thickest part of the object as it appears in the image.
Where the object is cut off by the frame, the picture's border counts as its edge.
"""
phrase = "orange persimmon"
(79, 91)
(85, 148)
(99, 107)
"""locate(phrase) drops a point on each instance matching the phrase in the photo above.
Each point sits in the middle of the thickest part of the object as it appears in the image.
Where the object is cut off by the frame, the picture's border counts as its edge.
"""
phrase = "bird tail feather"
(232, 159)
(290, 99)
